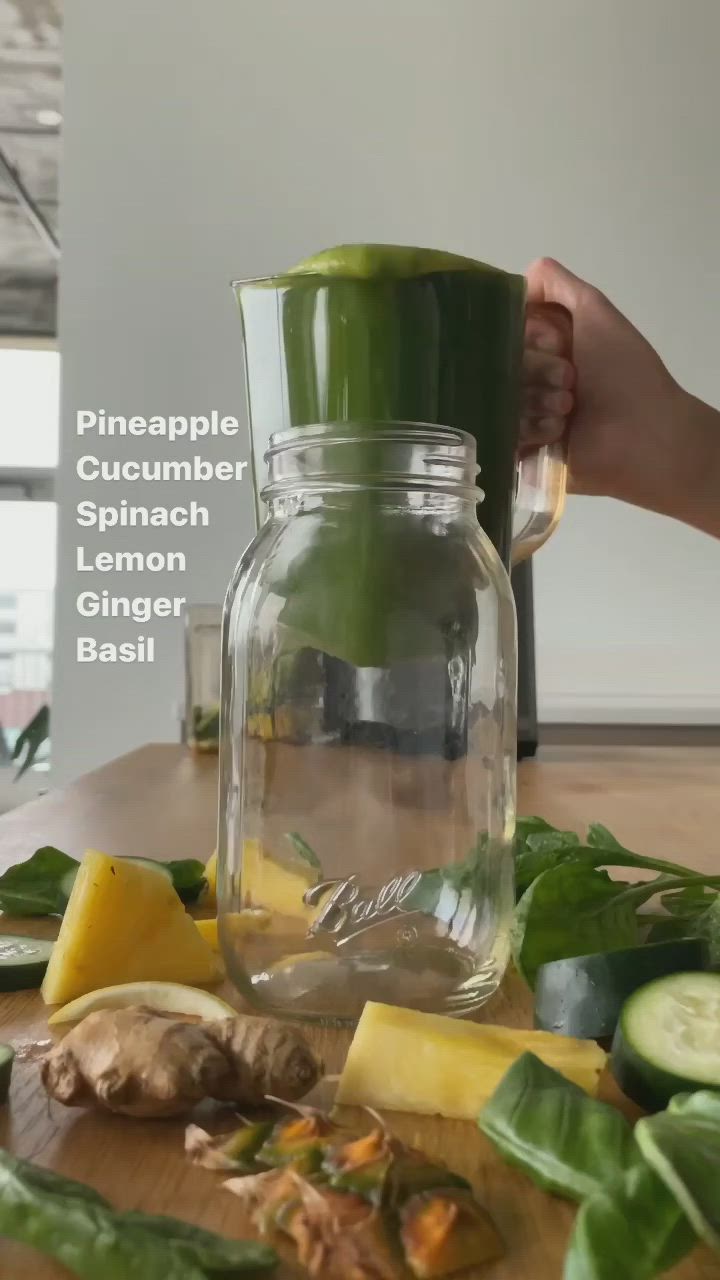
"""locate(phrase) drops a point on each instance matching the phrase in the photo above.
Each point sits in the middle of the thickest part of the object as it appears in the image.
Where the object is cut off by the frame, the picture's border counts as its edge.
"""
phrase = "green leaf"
(76, 1226)
(682, 1145)
(81, 1233)
(188, 877)
(575, 910)
(568, 1143)
(305, 852)
(570, 910)
(600, 838)
(34, 887)
(213, 1254)
(630, 1228)
(57, 1184)
(525, 827)
(689, 901)
(542, 847)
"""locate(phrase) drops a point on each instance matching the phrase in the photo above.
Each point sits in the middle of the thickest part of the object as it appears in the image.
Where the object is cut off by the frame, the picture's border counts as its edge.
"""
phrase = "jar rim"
(372, 453)
(402, 432)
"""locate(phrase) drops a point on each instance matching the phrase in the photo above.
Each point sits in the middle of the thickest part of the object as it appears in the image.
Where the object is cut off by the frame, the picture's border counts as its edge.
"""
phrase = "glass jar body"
(368, 737)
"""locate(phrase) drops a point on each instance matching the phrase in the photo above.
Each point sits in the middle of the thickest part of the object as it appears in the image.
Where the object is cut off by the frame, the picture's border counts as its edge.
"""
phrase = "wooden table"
(160, 802)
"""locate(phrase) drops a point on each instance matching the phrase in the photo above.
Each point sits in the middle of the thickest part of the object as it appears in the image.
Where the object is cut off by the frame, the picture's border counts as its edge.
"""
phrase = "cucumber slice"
(668, 1039)
(7, 1057)
(583, 996)
(23, 961)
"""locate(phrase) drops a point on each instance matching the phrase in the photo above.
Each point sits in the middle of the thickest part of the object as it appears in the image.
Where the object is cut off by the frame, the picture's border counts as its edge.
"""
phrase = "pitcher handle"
(542, 474)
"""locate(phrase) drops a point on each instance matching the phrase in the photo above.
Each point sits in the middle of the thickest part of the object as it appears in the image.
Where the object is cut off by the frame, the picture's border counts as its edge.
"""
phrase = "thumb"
(550, 281)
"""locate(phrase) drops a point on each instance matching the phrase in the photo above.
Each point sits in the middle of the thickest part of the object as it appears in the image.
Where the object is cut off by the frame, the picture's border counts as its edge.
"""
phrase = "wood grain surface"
(160, 802)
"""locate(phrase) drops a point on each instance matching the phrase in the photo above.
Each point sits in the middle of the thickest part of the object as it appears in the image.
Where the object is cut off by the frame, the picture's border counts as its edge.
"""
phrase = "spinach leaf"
(567, 1142)
(631, 1227)
(541, 847)
(188, 877)
(574, 910)
(77, 1227)
(82, 1234)
(688, 902)
(570, 910)
(525, 827)
(210, 1252)
(34, 888)
(451, 893)
(682, 1145)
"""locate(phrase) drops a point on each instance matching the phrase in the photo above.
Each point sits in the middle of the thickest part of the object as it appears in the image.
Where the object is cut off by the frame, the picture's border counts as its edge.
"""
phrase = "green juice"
(385, 333)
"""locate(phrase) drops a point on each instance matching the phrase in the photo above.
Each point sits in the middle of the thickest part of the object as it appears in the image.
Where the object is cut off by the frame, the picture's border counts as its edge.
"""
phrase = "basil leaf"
(631, 1228)
(568, 1143)
(34, 887)
(683, 1146)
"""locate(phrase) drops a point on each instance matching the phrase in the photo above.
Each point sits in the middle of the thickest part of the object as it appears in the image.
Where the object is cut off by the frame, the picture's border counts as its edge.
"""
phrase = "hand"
(634, 433)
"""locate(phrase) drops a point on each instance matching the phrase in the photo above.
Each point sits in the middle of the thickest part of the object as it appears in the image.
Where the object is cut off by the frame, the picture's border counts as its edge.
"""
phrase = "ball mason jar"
(368, 731)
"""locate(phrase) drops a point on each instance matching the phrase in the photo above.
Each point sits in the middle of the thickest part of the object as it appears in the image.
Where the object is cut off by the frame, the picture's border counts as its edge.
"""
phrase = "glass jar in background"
(367, 815)
(203, 625)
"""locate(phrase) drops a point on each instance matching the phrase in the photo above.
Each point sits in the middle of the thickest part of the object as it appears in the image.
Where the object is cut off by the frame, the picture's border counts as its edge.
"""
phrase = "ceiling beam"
(31, 210)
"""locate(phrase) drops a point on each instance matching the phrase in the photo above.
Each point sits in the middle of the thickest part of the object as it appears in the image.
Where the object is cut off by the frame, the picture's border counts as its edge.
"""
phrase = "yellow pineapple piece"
(124, 923)
(208, 929)
(266, 883)
(240, 923)
(441, 1066)
(210, 898)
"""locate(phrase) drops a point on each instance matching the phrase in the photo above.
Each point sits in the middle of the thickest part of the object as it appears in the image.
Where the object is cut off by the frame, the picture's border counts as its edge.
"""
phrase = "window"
(29, 440)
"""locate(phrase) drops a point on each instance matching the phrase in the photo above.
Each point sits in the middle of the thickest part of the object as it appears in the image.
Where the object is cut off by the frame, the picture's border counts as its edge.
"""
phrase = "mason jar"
(368, 731)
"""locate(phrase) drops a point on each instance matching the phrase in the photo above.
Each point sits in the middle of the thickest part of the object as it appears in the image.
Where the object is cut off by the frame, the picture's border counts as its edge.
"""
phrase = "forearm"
(692, 493)
(680, 473)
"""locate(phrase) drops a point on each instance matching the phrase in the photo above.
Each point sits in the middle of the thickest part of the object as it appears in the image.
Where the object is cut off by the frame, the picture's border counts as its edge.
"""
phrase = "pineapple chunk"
(266, 883)
(444, 1067)
(208, 929)
(124, 923)
(239, 924)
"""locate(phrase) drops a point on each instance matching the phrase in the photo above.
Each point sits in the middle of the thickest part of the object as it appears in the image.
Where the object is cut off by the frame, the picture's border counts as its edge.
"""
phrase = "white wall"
(210, 139)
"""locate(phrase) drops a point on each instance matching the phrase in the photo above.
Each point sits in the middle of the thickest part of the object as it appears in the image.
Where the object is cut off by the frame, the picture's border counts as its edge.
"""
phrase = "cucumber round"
(7, 1057)
(23, 961)
(668, 1039)
(582, 996)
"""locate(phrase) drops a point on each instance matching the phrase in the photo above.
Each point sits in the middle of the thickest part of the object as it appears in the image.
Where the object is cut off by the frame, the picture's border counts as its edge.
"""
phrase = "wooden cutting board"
(159, 801)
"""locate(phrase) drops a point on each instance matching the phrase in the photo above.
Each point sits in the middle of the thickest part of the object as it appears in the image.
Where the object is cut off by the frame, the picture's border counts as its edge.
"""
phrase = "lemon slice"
(166, 997)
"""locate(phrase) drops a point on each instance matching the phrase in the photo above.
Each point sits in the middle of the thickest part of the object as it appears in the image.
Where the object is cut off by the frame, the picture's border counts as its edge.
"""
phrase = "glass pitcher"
(361, 859)
(389, 333)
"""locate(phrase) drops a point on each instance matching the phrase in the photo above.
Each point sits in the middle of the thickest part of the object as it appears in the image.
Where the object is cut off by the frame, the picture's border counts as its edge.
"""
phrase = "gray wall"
(206, 140)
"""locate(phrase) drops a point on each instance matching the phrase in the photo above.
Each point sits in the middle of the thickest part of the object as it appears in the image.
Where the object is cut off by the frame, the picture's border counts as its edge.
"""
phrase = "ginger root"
(139, 1062)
